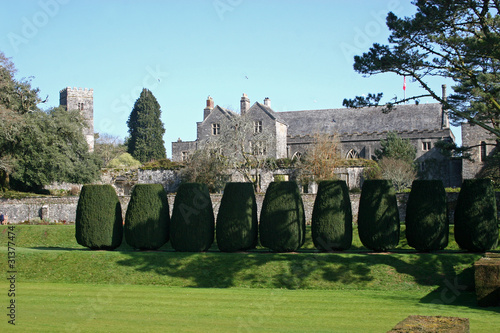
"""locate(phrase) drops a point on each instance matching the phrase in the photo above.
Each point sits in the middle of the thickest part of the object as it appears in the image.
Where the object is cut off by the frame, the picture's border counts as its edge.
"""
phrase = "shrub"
(282, 219)
(125, 160)
(426, 216)
(331, 226)
(147, 219)
(98, 223)
(378, 217)
(236, 228)
(192, 224)
(476, 225)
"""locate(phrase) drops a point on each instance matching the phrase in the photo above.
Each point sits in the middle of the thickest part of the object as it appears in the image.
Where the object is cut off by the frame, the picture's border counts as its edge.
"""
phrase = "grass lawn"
(46, 307)
(62, 286)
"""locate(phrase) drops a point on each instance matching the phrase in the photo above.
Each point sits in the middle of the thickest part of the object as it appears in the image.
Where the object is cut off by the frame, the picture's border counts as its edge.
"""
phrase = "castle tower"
(83, 100)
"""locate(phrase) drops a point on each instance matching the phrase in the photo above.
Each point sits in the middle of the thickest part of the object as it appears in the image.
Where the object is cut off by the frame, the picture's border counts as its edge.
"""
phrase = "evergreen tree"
(146, 129)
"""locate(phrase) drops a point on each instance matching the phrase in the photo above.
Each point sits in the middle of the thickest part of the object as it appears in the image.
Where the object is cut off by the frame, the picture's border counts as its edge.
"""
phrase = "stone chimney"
(244, 104)
(209, 108)
(445, 121)
(267, 102)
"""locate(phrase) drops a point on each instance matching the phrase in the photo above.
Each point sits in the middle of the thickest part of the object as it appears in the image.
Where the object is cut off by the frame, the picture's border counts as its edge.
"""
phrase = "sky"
(299, 53)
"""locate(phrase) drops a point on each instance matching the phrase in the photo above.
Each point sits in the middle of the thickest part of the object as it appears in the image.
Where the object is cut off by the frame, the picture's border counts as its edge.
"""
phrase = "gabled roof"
(228, 113)
(369, 119)
(267, 110)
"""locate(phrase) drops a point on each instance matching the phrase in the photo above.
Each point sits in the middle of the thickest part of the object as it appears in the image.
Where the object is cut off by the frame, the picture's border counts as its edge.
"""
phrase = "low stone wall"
(64, 208)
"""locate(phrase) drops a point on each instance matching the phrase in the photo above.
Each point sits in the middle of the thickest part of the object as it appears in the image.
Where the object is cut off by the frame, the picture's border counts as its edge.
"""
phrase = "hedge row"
(282, 219)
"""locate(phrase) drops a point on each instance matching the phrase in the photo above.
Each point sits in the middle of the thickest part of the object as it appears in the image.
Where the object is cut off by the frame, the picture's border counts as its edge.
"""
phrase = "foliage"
(125, 160)
(476, 224)
(331, 224)
(163, 164)
(456, 40)
(98, 224)
(146, 129)
(491, 167)
(51, 148)
(393, 146)
(321, 160)
(192, 225)
(237, 226)
(363, 101)
(147, 219)
(378, 218)
(108, 147)
(427, 216)
(282, 219)
(38, 148)
(207, 166)
(399, 172)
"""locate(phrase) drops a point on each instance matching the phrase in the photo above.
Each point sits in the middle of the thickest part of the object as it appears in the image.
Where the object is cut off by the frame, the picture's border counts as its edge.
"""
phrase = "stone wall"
(58, 209)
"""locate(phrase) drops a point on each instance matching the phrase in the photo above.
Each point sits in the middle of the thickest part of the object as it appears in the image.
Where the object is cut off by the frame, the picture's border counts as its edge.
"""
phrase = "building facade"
(82, 100)
(292, 133)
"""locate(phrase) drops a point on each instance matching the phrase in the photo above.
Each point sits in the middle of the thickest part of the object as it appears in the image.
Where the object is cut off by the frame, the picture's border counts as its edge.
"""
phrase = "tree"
(321, 160)
(363, 101)
(146, 129)
(108, 147)
(455, 40)
(393, 146)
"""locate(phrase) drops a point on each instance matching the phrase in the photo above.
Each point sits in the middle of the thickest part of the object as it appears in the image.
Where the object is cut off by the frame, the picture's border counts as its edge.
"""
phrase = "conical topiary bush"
(237, 226)
(147, 219)
(378, 216)
(476, 224)
(331, 224)
(426, 216)
(192, 224)
(99, 224)
(282, 219)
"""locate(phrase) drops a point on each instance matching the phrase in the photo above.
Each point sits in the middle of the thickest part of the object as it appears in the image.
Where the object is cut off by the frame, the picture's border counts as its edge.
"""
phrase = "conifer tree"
(146, 129)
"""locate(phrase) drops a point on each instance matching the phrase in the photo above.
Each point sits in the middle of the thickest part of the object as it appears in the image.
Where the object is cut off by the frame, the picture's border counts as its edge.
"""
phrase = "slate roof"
(369, 119)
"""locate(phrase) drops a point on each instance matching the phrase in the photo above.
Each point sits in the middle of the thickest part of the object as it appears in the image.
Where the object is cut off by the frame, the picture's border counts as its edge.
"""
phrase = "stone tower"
(83, 100)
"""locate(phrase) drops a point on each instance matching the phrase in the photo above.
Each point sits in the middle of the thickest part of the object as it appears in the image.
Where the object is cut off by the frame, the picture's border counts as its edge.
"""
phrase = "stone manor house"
(359, 130)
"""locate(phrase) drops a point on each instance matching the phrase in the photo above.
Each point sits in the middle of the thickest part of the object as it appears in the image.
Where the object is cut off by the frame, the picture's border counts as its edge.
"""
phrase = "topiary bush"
(237, 226)
(476, 225)
(426, 216)
(331, 225)
(192, 224)
(378, 216)
(282, 220)
(98, 224)
(147, 219)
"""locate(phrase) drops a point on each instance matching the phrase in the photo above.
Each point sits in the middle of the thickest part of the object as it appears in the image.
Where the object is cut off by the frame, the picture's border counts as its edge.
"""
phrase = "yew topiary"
(147, 219)
(237, 225)
(98, 224)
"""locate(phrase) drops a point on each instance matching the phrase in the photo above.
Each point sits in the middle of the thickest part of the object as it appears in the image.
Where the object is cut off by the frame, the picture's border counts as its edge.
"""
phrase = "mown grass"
(47, 307)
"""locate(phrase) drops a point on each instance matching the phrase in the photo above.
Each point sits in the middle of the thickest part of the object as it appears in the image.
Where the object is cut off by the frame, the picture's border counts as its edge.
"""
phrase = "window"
(258, 148)
(426, 146)
(422, 166)
(80, 106)
(184, 156)
(482, 153)
(258, 126)
(352, 154)
(215, 129)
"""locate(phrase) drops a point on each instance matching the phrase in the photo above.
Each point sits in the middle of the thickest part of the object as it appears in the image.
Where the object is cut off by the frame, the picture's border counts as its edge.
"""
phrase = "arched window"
(352, 154)
(297, 155)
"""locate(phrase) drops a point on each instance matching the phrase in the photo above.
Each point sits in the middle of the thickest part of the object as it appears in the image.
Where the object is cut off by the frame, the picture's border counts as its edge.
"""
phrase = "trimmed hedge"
(282, 220)
(237, 225)
(427, 216)
(147, 219)
(331, 225)
(192, 224)
(378, 217)
(98, 223)
(476, 225)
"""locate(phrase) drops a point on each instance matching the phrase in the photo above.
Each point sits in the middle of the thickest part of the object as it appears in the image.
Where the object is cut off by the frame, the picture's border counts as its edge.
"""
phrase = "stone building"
(359, 131)
(482, 143)
(82, 100)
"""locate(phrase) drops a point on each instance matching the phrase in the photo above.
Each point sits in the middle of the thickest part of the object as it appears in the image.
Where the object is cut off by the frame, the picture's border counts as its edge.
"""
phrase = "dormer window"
(426, 146)
(215, 129)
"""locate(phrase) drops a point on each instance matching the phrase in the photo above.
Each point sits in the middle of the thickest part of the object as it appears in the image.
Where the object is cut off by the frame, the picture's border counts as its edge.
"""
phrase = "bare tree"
(321, 160)
(108, 147)
(400, 172)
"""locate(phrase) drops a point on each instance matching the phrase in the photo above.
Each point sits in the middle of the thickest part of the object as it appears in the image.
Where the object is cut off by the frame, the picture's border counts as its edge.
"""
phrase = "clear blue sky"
(299, 53)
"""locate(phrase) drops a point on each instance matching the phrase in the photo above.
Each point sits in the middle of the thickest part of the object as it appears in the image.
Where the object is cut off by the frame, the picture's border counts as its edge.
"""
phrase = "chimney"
(267, 102)
(443, 87)
(244, 104)
(209, 108)
(445, 121)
